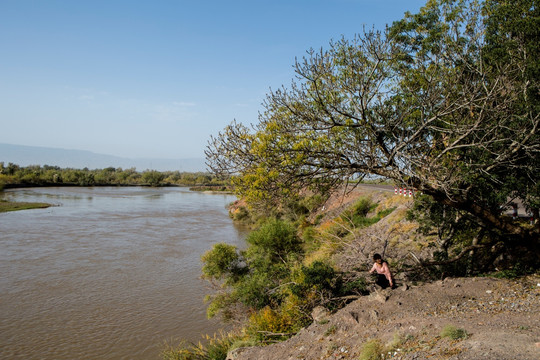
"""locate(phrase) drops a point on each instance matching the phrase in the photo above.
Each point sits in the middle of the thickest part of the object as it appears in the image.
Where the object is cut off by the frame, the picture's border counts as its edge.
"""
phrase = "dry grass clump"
(372, 350)
(454, 333)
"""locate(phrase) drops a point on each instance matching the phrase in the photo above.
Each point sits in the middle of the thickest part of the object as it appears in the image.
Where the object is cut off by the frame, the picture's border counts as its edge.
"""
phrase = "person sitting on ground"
(384, 276)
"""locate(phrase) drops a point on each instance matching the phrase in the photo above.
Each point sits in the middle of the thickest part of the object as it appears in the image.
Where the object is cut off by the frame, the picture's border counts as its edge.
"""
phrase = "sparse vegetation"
(211, 348)
(331, 330)
(372, 350)
(454, 333)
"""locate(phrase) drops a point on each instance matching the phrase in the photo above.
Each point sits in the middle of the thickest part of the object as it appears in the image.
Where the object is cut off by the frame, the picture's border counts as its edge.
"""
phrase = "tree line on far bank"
(13, 175)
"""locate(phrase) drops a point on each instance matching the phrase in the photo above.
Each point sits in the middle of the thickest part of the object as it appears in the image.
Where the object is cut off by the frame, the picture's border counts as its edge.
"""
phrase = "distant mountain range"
(80, 159)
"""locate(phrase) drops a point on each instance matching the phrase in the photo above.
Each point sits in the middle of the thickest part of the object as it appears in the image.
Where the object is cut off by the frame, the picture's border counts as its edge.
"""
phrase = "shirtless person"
(384, 276)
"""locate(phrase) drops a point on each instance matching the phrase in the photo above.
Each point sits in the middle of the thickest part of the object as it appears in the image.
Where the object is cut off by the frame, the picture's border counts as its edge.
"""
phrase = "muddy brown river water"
(110, 273)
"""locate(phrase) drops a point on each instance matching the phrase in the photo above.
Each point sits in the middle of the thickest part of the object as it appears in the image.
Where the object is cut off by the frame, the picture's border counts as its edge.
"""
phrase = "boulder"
(319, 314)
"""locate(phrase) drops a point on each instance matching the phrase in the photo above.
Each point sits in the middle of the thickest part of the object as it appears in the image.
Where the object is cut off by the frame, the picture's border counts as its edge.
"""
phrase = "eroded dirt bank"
(501, 318)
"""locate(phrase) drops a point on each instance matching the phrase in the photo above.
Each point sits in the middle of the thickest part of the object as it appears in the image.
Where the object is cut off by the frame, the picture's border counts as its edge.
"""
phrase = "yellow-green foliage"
(278, 323)
(5, 180)
(268, 320)
(324, 252)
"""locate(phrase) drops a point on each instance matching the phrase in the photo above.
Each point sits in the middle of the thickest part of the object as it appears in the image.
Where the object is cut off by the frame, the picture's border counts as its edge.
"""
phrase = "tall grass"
(213, 348)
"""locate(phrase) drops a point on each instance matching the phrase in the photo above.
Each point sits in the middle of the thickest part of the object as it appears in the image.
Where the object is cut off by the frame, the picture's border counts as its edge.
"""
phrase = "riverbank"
(457, 318)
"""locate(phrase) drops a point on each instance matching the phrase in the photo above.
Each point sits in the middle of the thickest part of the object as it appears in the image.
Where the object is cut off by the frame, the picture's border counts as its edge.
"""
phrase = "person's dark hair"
(377, 257)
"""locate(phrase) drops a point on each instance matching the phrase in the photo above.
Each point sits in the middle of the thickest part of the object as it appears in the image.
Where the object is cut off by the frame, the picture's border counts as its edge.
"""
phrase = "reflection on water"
(109, 273)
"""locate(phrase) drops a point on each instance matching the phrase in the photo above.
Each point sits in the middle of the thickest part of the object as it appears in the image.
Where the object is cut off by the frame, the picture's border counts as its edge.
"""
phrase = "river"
(109, 273)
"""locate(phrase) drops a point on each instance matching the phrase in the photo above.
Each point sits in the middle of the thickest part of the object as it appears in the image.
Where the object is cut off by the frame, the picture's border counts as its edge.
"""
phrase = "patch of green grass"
(385, 212)
(454, 333)
(6, 206)
(357, 213)
(372, 350)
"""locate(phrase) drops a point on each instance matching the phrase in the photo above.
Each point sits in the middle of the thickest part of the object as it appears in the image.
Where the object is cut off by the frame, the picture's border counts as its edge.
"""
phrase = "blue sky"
(155, 79)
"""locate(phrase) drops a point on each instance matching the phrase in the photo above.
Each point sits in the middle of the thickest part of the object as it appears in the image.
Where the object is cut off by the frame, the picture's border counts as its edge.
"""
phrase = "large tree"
(427, 103)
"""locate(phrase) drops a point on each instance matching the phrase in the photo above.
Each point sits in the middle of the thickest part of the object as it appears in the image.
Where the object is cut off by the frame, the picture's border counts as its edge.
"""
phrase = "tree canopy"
(444, 101)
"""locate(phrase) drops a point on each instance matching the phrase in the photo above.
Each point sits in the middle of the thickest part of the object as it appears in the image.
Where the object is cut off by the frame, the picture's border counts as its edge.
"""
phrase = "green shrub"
(454, 333)
(357, 286)
(255, 290)
(518, 270)
(222, 261)
(277, 238)
(319, 275)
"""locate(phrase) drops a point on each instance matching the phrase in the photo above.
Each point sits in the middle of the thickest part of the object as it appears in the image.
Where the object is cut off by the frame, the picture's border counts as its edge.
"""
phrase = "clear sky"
(156, 78)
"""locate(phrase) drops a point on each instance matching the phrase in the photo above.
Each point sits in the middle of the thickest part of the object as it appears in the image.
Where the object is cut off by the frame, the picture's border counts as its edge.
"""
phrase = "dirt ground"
(501, 319)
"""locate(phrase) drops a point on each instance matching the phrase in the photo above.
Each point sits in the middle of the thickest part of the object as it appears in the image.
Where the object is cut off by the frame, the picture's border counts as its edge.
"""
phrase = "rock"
(319, 313)
(374, 315)
(378, 296)
(234, 354)
(405, 287)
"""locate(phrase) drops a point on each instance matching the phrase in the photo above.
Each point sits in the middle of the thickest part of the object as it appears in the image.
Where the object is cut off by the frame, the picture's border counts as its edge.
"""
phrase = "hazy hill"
(79, 159)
